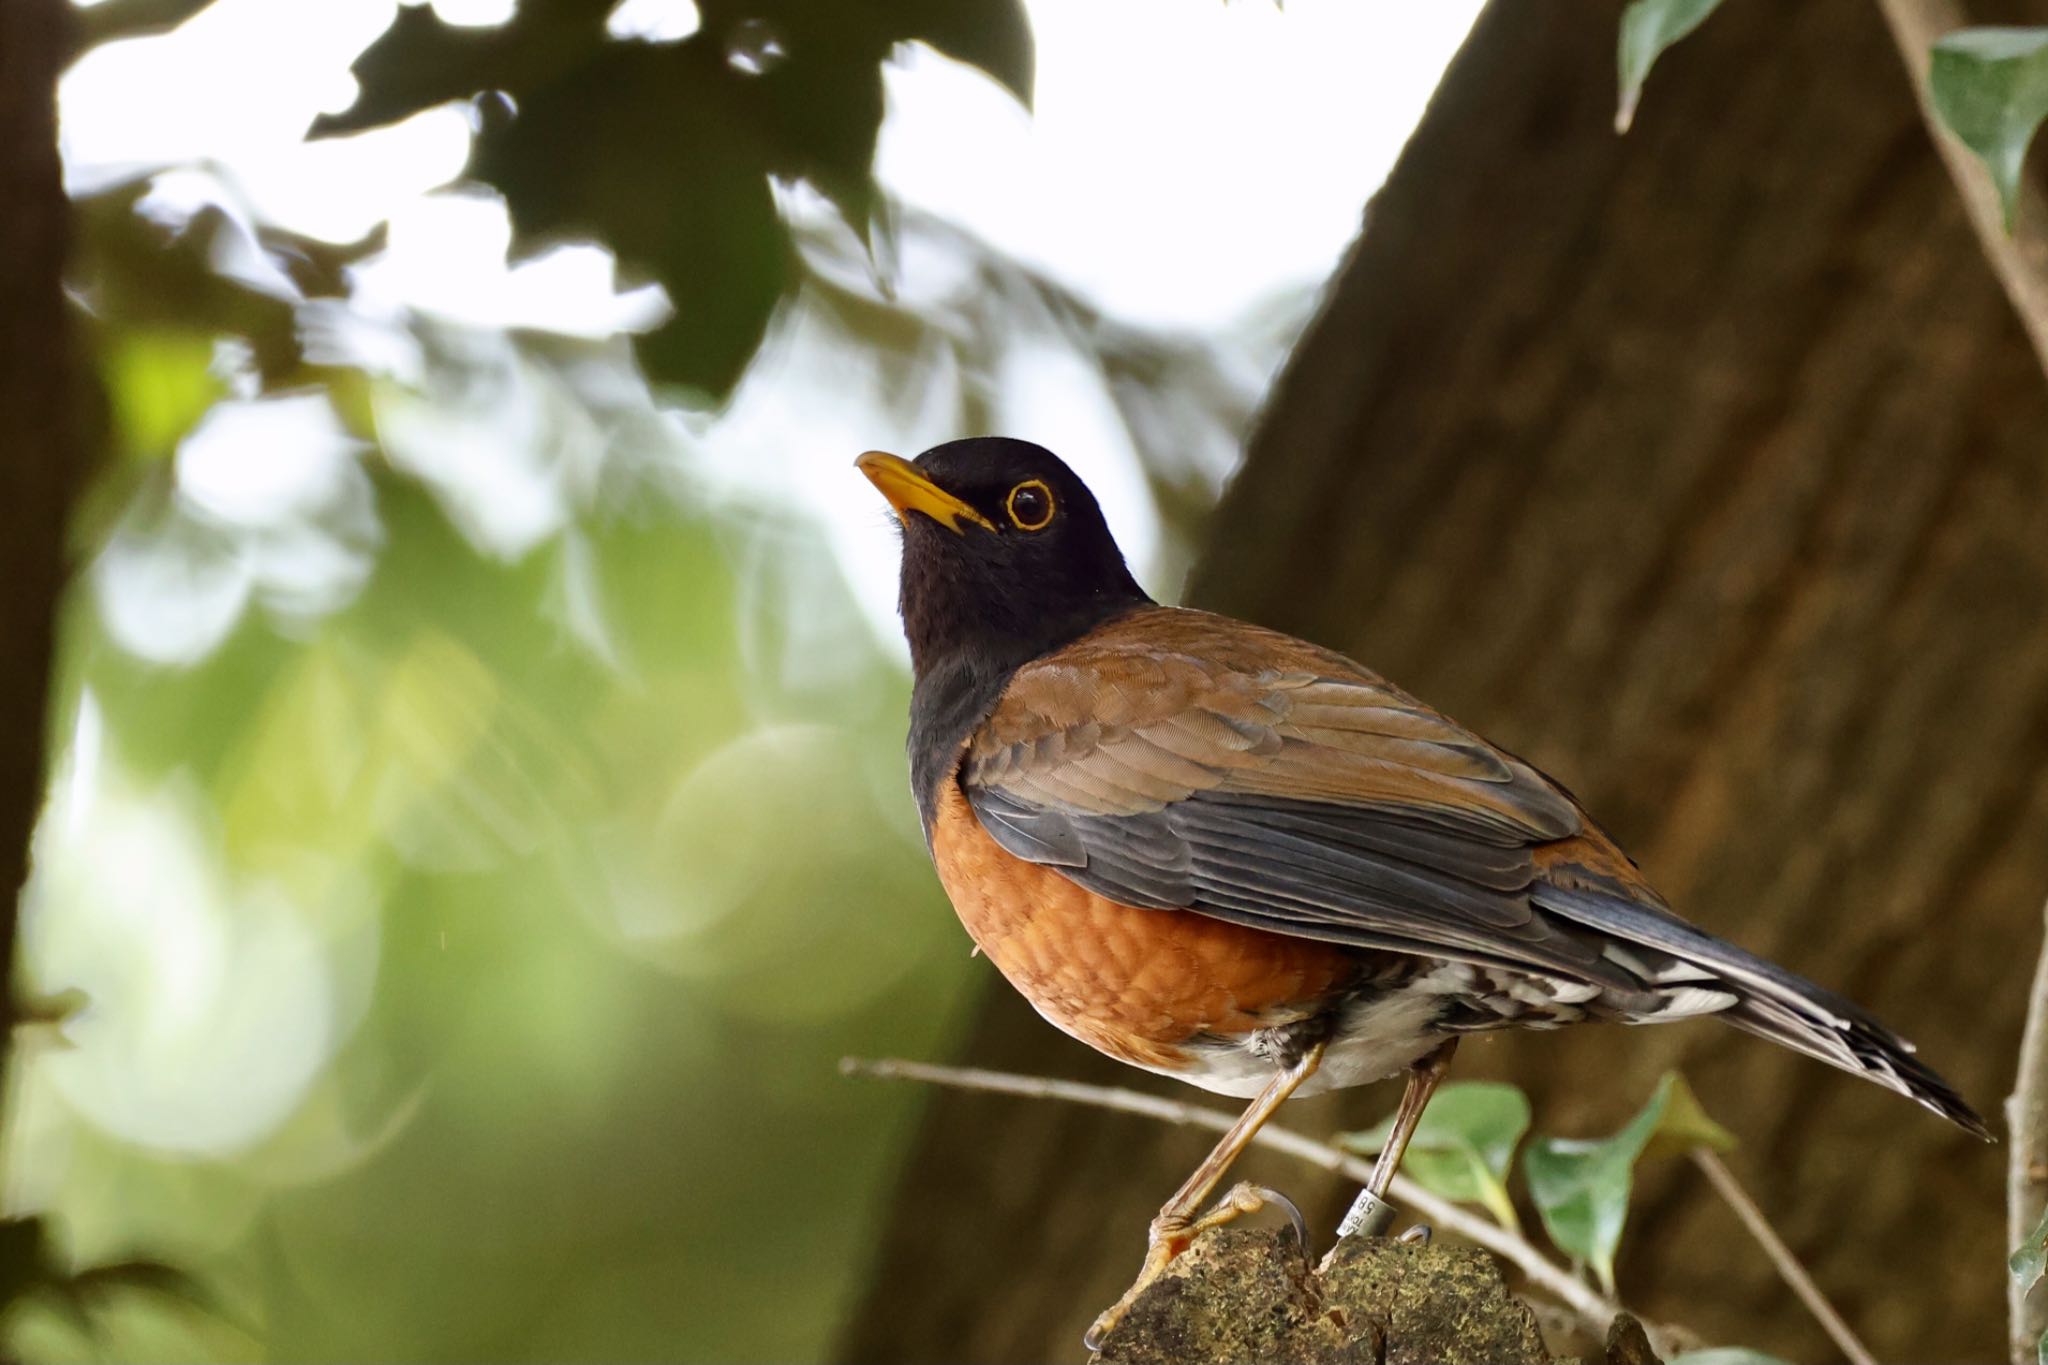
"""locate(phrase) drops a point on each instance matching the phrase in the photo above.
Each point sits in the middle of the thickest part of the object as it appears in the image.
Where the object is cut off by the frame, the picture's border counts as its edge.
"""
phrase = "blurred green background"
(478, 821)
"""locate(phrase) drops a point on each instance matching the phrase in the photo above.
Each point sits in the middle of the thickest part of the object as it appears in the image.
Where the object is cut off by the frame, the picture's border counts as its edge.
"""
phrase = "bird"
(1230, 856)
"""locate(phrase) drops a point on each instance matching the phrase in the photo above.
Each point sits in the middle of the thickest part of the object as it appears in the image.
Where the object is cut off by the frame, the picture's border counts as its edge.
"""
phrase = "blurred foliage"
(436, 962)
(1990, 86)
(784, 89)
(1184, 404)
(479, 827)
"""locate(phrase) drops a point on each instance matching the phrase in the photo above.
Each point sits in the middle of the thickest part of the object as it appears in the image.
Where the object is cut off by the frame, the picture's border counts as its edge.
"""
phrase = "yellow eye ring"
(1035, 513)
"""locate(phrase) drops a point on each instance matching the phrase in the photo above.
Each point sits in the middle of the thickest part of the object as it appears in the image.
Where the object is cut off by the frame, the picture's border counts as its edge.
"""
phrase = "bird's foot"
(1418, 1235)
(1171, 1234)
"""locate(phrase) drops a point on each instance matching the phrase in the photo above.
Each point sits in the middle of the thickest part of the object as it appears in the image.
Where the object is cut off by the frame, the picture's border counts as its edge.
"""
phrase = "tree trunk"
(1707, 469)
(39, 437)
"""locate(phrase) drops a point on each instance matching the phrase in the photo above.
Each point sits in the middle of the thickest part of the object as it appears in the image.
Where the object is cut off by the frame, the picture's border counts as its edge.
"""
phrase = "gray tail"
(1757, 997)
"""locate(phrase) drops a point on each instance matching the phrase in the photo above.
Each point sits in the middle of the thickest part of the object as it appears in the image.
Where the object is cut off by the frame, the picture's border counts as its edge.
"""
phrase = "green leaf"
(1582, 1185)
(1725, 1355)
(1683, 1124)
(1990, 86)
(1463, 1146)
(1647, 28)
(2030, 1258)
(2028, 1262)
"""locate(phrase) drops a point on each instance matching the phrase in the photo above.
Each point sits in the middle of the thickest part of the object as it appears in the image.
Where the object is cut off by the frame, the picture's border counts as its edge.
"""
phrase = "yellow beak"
(908, 490)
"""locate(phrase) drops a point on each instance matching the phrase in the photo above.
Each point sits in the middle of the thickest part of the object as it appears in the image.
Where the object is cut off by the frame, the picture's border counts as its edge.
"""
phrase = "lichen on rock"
(1242, 1295)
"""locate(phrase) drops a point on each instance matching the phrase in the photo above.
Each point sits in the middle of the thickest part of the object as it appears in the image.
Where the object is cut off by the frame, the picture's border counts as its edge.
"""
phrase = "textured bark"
(1708, 469)
(1713, 480)
(38, 410)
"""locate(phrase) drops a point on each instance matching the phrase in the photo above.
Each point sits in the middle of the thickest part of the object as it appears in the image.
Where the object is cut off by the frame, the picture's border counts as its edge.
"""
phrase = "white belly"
(1375, 1039)
(1381, 1034)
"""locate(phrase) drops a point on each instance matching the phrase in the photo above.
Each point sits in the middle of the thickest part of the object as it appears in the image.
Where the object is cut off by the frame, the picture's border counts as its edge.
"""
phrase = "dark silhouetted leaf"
(665, 152)
(421, 63)
(994, 36)
(1990, 86)
(29, 1267)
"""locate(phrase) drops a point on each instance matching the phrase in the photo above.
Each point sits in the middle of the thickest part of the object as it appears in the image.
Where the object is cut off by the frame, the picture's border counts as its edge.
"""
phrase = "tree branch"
(44, 451)
(1789, 1268)
(2026, 1183)
(2020, 261)
(2018, 258)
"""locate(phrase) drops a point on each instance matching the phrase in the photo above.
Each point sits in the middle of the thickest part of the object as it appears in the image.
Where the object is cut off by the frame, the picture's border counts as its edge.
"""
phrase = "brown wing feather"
(1167, 704)
(1181, 760)
(1177, 760)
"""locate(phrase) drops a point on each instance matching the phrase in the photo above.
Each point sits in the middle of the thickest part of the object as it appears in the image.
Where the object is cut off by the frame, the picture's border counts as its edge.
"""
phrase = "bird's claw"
(1170, 1236)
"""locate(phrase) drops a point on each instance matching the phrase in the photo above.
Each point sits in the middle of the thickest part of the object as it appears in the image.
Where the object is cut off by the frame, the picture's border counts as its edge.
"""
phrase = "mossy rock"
(1241, 1295)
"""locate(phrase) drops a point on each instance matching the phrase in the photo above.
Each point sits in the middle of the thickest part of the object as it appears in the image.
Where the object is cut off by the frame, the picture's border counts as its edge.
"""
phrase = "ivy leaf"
(1463, 1146)
(1581, 1185)
(1647, 28)
(2030, 1259)
(1990, 86)
(1725, 1355)
(2028, 1262)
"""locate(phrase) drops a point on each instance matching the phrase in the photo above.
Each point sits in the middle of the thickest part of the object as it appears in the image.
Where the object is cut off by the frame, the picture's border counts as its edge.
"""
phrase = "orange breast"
(1133, 983)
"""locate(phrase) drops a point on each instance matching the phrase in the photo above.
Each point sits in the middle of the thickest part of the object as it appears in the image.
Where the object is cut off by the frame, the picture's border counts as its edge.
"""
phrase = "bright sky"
(1186, 158)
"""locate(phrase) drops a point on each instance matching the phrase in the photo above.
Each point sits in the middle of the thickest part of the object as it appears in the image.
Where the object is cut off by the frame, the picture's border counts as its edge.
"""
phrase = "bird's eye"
(1030, 505)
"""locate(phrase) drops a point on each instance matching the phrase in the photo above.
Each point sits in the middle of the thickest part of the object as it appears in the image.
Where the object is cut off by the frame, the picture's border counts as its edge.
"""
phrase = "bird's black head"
(1005, 553)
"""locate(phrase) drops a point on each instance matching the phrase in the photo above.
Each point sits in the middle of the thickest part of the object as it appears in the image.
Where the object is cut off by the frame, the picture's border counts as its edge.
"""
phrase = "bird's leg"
(1370, 1212)
(1176, 1227)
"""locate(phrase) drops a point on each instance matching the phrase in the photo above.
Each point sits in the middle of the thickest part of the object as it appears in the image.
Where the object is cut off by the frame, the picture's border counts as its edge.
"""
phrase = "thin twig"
(2018, 258)
(2026, 1172)
(1789, 1269)
(1593, 1310)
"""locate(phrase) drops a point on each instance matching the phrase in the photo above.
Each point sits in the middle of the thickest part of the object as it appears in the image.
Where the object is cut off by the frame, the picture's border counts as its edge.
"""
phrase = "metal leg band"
(1369, 1214)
